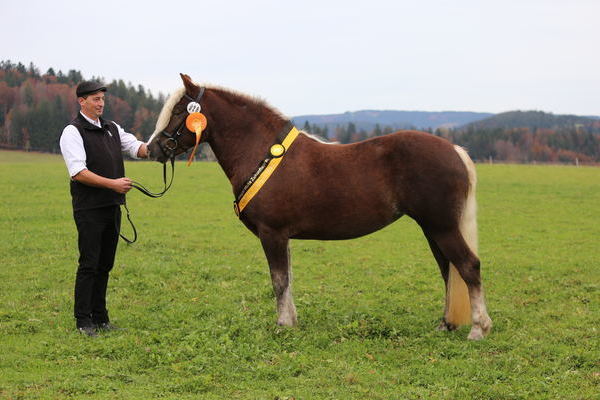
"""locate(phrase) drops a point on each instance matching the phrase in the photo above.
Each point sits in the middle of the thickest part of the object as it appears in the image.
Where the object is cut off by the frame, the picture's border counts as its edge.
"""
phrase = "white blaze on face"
(167, 110)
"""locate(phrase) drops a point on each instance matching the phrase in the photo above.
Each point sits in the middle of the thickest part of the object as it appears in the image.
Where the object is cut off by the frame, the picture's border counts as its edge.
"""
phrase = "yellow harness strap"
(266, 173)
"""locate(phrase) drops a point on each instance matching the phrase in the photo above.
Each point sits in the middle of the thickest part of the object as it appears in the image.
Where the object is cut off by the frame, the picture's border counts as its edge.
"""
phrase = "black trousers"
(98, 230)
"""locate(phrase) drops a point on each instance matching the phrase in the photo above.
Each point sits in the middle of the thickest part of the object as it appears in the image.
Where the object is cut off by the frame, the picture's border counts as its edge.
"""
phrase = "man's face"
(92, 105)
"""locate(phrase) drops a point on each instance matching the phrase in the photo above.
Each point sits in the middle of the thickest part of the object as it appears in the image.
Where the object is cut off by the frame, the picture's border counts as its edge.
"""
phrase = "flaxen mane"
(235, 97)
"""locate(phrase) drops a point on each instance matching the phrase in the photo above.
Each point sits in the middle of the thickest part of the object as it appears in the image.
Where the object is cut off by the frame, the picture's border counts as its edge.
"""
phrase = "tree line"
(577, 143)
(347, 133)
(526, 145)
(35, 107)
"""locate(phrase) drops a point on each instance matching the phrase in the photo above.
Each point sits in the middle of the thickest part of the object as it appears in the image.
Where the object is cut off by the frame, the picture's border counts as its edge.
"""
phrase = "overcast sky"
(319, 57)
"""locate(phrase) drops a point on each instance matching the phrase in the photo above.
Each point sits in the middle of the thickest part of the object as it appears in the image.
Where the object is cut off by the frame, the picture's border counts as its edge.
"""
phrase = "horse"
(327, 191)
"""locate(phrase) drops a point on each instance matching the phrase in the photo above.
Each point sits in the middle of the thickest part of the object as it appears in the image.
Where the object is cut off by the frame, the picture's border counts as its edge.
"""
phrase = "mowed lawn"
(195, 297)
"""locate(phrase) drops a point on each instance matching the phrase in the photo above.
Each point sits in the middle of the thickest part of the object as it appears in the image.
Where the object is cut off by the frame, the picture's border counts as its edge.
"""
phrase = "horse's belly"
(341, 228)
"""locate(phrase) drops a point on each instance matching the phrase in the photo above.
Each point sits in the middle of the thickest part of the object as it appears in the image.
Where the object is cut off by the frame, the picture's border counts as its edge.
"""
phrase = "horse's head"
(171, 136)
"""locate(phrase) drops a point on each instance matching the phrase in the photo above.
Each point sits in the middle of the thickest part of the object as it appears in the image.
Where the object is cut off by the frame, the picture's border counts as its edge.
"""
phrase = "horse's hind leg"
(455, 249)
(444, 266)
(278, 256)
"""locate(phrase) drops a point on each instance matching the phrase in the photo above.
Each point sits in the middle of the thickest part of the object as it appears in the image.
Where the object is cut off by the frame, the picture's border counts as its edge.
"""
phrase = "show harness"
(252, 186)
(266, 168)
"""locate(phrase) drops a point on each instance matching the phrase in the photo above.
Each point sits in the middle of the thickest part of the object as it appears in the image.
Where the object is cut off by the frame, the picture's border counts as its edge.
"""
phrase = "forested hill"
(35, 107)
(526, 136)
(533, 120)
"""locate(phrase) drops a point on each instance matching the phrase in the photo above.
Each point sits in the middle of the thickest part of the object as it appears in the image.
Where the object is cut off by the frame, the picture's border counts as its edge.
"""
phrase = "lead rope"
(135, 235)
(148, 193)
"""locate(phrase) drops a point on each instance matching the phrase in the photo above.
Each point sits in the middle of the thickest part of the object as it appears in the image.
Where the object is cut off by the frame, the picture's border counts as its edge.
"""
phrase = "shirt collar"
(91, 121)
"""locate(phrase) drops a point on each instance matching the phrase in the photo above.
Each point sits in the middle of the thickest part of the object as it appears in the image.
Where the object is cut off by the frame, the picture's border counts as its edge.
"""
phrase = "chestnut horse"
(337, 191)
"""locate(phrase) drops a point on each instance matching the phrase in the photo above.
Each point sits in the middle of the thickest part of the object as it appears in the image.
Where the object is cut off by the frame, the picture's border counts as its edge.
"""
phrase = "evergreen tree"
(306, 127)
(74, 77)
(377, 131)
(33, 71)
(61, 78)
(28, 94)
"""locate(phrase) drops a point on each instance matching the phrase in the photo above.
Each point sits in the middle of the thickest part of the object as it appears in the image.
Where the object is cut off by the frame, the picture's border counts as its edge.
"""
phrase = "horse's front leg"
(277, 251)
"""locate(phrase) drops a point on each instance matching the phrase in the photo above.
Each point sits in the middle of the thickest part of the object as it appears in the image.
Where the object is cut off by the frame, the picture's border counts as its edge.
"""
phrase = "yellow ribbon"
(267, 172)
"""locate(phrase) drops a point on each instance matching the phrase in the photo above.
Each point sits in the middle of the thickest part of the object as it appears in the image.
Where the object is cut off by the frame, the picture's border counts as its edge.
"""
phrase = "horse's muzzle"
(156, 153)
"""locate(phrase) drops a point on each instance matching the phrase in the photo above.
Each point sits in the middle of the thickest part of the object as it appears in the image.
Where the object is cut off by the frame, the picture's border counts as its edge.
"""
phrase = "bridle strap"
(135, 235)
(197, 99)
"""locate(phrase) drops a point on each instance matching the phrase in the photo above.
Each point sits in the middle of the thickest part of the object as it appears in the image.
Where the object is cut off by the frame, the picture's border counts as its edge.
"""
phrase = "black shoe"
(107, 326)
(88, 331)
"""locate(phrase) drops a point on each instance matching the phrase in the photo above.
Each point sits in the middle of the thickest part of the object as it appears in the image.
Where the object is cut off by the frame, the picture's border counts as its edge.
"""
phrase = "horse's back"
(405, 160)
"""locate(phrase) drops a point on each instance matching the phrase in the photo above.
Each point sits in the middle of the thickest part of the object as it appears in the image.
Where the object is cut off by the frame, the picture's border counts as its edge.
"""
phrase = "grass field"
(195, 297)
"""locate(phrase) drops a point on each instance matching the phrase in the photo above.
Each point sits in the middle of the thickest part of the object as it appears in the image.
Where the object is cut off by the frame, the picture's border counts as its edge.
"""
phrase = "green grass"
(195, 296)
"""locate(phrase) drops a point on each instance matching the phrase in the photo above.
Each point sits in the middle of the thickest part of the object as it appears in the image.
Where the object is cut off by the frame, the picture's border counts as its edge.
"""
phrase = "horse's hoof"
(475, 334)
(287, 321)
(478, 332)
(445, 326)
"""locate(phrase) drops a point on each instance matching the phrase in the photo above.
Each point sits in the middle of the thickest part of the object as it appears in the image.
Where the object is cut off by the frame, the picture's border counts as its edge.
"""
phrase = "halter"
(170, 145)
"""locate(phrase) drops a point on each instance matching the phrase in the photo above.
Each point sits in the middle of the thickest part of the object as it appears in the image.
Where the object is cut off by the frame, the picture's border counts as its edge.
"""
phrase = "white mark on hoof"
(287, 312)
(288, 318)
(481, 330)
(475, 334)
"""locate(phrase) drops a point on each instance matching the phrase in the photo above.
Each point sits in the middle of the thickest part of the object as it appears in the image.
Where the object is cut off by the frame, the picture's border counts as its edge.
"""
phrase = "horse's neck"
(241, 142)
(239, 158)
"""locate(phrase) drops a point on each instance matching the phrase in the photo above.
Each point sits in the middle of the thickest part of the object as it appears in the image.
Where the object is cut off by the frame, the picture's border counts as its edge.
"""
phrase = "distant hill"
(532, 120)
(526, 136)
(367, 119)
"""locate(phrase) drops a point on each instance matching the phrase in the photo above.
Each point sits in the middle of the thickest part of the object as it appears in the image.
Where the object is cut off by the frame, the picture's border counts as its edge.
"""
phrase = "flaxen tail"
(458, 303)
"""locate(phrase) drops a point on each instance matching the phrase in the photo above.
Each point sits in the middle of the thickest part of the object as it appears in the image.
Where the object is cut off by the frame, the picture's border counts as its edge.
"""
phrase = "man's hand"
(121, 185)
(143, 151)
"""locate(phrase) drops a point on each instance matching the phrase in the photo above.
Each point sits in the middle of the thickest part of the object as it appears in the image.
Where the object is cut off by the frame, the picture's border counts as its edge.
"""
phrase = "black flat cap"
(89, 87)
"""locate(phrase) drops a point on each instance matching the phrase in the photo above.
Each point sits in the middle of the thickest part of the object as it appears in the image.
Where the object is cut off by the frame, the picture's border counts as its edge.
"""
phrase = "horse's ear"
(190, 87)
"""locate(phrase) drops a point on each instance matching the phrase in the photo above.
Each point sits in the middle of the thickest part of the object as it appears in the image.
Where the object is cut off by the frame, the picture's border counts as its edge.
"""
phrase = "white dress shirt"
(71, 146)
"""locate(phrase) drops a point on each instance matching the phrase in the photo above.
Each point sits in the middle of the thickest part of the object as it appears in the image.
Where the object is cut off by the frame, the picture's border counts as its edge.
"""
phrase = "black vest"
(104, 158)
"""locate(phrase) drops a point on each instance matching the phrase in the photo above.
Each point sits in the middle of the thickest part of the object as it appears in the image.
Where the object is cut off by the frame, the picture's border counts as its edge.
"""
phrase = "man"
(92, 148)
